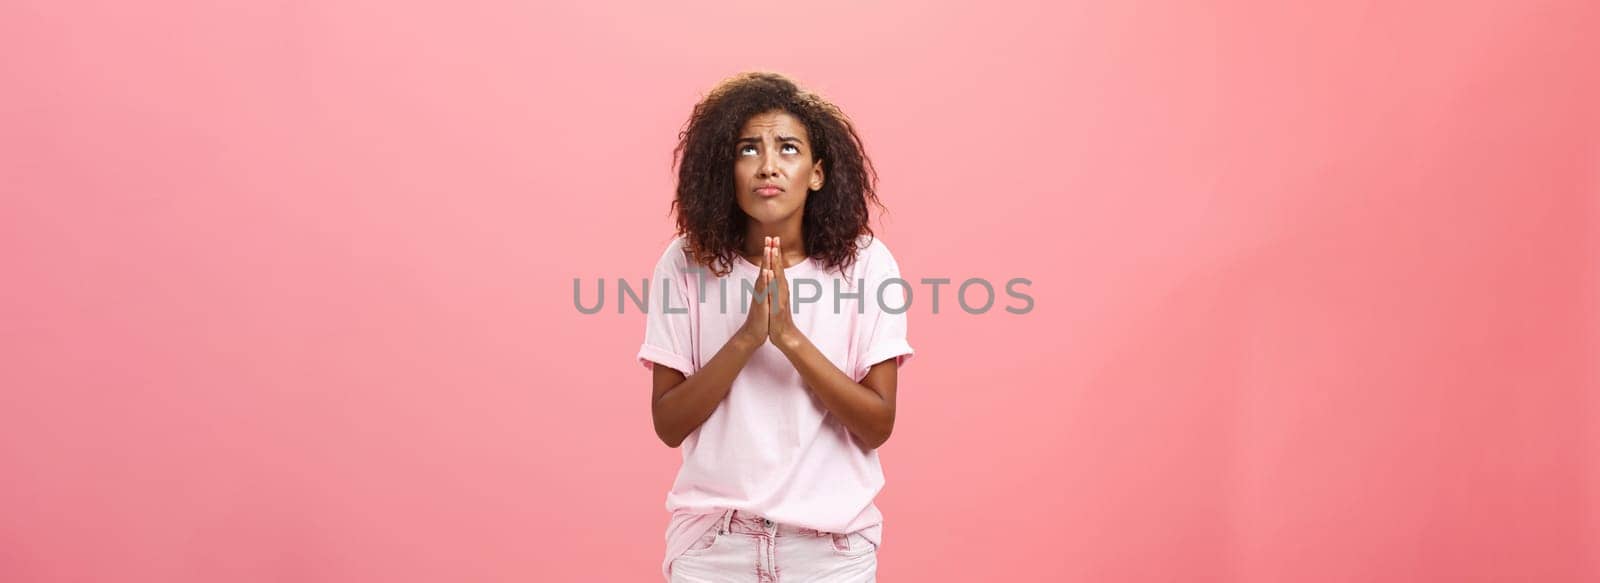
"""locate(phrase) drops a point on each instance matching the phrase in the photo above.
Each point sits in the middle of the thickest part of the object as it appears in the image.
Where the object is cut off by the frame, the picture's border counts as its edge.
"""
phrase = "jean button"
(767, 522)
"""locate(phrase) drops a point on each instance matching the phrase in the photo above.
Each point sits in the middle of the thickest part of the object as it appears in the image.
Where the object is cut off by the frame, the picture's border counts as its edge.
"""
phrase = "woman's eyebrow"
(757, 140)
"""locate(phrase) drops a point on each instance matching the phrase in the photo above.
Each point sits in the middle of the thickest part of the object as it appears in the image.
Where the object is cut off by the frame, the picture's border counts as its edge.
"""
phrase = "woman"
(778, 400)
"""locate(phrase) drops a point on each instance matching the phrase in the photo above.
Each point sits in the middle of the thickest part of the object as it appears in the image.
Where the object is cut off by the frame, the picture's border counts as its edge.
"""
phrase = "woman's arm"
(680, 404)
(866, 408)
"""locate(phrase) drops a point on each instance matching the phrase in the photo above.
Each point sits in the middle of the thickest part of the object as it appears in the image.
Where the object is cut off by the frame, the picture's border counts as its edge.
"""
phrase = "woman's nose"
(769, 166)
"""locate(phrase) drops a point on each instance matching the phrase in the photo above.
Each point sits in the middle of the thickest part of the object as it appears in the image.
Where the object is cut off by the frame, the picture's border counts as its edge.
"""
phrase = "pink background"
(288, 285)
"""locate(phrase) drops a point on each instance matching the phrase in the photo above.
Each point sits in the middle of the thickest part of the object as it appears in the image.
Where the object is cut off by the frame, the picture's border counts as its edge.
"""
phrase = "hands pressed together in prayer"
(769, 316)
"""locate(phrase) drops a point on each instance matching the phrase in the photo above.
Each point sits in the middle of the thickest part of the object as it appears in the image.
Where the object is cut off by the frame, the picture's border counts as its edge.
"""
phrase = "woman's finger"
(781, 279)
(764, 279)
(767, 289)
(774, 264)
(760, 298)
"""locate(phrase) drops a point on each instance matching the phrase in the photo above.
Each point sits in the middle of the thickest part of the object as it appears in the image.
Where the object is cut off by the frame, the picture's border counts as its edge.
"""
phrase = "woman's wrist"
(789, 342)
(747, 339)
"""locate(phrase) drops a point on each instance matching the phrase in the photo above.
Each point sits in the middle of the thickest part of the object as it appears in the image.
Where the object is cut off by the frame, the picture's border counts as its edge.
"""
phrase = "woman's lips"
(769, 191)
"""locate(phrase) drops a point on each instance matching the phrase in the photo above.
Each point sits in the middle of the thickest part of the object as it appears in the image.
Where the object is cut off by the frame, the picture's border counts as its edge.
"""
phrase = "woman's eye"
(747, 150)
(791, 149)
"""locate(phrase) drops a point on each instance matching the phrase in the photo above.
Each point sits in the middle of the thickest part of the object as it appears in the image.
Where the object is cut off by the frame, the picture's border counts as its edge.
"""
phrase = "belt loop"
(727, 518)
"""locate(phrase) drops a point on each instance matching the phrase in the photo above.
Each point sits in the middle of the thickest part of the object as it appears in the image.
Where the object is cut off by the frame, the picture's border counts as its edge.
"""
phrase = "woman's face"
(773, 168)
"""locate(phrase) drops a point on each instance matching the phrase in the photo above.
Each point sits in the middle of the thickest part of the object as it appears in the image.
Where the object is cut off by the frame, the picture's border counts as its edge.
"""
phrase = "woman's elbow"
(669, 440)
(667, 435)
(877, 439)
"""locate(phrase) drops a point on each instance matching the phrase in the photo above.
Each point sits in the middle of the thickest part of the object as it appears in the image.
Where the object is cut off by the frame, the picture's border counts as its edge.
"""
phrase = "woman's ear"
(816, 176)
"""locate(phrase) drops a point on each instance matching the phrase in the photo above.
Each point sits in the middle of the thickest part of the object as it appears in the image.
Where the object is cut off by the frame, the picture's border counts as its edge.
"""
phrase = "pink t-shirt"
(770, 447)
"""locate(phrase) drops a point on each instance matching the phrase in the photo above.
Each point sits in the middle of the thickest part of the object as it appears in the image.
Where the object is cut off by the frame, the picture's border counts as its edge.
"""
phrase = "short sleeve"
(668, 330)
(882, 331)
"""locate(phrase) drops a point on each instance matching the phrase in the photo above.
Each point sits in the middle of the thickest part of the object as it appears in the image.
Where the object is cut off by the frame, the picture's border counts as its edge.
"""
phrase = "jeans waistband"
(752, 523)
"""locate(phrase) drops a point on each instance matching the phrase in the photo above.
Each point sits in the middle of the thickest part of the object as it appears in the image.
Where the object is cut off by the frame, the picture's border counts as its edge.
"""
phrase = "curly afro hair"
(708, 213)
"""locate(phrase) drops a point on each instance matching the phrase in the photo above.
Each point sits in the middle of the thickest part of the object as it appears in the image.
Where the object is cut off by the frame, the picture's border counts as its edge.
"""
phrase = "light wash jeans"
(747, 548)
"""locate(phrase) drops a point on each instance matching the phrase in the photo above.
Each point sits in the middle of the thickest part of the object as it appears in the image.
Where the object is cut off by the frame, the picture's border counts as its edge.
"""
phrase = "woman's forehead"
(773, 123)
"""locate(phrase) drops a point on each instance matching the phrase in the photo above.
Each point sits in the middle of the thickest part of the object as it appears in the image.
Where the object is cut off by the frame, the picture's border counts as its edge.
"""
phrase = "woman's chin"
(769, 216)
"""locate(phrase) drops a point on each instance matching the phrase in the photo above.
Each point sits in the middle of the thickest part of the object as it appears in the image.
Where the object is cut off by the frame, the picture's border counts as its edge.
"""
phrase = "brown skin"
(774, 152)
